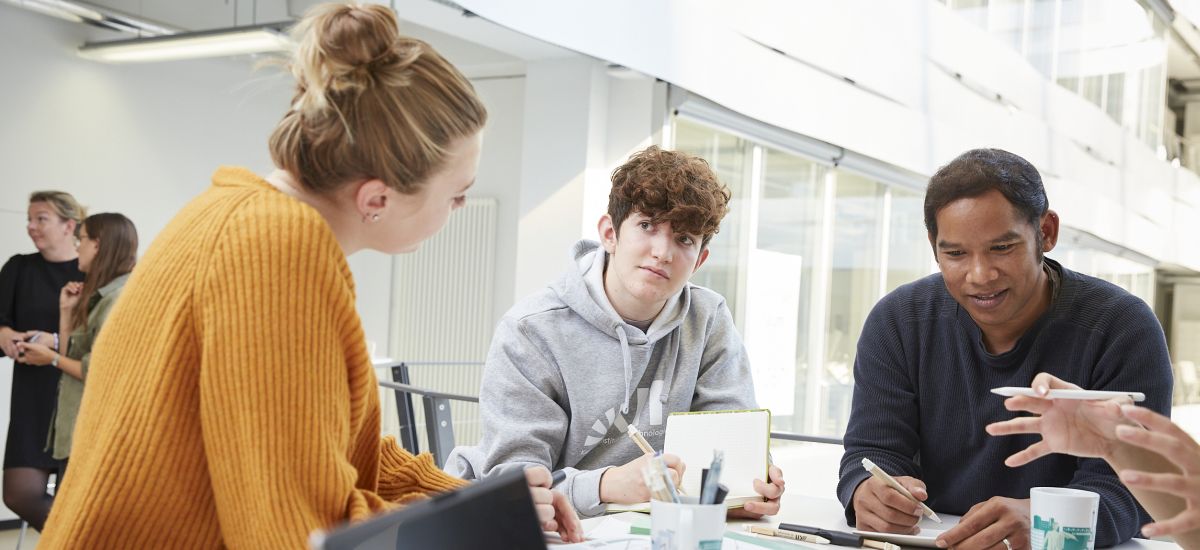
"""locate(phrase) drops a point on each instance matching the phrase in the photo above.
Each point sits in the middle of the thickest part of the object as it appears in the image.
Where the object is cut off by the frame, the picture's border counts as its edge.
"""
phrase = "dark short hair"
(669, 186)
(978, 171)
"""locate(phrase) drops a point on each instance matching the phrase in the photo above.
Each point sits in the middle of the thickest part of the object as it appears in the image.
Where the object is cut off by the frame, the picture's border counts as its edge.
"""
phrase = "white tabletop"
(827, 513)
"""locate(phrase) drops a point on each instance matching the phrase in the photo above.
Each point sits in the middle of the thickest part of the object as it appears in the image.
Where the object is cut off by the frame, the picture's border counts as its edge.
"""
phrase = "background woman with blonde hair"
(107, 252)
(231, 401)
(29, 287)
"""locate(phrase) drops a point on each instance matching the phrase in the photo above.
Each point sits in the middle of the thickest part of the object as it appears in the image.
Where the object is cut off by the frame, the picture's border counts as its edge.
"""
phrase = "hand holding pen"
(878, 506)
(624, 484)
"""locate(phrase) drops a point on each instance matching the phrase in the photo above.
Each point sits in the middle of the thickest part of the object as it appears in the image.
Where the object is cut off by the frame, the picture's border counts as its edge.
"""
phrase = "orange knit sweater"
(230, 400)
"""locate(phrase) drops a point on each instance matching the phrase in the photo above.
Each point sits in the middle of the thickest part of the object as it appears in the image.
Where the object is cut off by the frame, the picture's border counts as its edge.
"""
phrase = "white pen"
(1012, 391)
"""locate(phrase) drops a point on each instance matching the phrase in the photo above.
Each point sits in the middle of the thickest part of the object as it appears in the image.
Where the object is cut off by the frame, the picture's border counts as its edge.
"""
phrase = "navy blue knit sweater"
(921, 399)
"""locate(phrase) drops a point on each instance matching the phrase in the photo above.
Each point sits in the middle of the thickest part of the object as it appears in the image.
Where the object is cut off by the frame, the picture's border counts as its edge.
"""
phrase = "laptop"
(496, 512)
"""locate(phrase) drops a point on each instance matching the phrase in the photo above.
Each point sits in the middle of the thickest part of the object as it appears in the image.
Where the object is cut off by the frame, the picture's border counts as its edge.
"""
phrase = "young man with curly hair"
(621, 338)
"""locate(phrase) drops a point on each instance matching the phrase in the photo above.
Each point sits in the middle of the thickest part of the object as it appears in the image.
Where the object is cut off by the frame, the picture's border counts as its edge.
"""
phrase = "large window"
(1112, 53)
(804, 254)
(1089, 255)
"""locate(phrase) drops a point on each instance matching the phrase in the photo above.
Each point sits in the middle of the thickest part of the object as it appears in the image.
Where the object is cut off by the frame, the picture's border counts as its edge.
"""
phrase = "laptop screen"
(497, 512)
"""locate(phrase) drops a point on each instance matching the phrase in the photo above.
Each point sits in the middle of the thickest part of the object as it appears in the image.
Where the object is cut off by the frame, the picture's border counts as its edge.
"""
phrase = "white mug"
(1062, 518)
(686, 526)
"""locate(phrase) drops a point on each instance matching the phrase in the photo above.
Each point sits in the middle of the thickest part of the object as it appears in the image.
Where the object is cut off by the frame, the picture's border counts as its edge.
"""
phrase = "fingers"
(992, 538)
(1030, 454)
(1179, 449)
(1175, 484)
(1158, 423)
(892, 508)
(915, 487)
(770, 491)
(675, 463)
(871, 522)
(987, 524)
(767, 508)
(543, 502)
(538, 476)
(1025, 403)
(775, 475)
(1189, 520)
(1020, 425)
(1045, 381)
(873, 515)
(568, 525)
(9, 347)
(978, 518)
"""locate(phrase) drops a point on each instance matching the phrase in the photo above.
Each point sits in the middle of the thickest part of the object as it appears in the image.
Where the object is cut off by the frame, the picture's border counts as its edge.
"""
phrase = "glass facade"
(804, 254)
(1113, 53)
(1074, 252)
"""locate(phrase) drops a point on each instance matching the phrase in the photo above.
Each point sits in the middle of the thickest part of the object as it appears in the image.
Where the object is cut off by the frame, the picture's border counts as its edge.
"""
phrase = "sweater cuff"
(584, 492)
(401, 474)
(851, 483)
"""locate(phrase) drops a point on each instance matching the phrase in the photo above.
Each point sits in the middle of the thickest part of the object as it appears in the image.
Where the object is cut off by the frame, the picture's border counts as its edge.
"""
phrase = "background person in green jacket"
(107, 248)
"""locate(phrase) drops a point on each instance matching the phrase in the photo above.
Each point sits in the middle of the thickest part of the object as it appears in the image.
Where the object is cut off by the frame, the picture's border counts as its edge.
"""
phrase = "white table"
(827, 512)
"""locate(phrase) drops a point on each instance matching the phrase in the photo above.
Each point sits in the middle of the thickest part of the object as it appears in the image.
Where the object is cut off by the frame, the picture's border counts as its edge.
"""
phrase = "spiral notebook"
(745, 438)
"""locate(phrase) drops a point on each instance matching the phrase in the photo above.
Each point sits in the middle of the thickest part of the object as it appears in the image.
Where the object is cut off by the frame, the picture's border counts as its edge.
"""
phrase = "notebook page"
(744, 436)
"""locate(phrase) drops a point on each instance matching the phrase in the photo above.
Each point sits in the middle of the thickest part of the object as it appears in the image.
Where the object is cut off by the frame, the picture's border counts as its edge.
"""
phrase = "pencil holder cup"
(686, 526)
(1062, 519)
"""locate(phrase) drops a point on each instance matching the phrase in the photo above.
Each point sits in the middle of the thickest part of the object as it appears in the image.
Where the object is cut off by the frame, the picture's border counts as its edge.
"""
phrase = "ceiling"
(492, 50)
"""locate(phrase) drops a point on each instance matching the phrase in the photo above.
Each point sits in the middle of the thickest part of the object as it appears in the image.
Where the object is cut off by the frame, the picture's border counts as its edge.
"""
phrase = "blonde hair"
(62, 203)
(369, 102)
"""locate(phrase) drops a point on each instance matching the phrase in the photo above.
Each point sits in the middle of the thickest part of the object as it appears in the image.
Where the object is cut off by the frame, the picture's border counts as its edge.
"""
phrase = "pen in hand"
(641, 442)
(891, 482)
(644, 445)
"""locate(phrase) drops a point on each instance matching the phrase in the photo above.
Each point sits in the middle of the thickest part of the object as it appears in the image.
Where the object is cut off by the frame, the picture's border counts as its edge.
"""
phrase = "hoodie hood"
(582, 290)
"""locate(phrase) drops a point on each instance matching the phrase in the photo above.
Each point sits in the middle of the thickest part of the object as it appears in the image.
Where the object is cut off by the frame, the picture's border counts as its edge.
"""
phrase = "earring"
(374, 217)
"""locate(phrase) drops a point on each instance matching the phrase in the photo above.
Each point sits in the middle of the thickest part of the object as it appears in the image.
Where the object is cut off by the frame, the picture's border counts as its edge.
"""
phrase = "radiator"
(441, 312)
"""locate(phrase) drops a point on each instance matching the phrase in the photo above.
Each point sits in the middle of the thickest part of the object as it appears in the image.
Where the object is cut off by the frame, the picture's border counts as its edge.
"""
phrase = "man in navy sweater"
(997, 314)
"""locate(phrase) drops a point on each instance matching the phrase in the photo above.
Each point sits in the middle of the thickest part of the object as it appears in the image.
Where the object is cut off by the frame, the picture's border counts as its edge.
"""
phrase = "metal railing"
(439, 425)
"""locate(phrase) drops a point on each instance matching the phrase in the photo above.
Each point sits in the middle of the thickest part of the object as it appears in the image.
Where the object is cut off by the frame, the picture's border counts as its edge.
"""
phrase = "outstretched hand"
(1080, 428)
(1167, 439)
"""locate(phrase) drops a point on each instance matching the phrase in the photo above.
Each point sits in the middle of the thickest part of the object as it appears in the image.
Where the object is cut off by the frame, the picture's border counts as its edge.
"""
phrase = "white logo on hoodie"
(600, 428)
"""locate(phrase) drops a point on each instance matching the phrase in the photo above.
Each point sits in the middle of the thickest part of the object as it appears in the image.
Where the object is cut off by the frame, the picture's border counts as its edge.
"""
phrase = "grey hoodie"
(565, 375)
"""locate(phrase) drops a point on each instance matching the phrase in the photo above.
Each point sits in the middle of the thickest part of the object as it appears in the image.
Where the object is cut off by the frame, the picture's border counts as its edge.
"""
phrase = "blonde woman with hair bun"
(29, 286)
(230, 400)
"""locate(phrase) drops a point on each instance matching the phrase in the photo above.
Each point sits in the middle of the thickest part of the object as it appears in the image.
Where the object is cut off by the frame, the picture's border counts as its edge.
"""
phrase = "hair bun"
(347, 48)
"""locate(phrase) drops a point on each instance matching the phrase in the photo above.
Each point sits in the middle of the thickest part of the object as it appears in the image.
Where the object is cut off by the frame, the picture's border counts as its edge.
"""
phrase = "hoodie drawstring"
(669, 376)
(628, 365)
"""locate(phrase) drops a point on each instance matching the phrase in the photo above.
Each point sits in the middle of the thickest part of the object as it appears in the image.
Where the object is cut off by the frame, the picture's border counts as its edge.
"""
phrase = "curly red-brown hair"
(669, 186)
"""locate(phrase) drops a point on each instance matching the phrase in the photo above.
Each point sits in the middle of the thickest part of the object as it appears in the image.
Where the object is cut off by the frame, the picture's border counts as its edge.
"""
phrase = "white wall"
(923, 90)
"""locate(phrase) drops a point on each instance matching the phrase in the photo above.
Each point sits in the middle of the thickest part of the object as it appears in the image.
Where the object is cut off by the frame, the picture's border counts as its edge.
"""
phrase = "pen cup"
(686, 526)
(1062, 518)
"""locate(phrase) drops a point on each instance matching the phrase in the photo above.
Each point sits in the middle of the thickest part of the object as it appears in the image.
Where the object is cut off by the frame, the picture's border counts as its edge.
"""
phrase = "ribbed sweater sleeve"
(278, 329)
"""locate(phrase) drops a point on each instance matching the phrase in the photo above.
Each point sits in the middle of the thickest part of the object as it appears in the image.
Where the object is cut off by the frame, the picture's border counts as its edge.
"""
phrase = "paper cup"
(1062, 519)
(686, 526)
